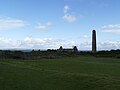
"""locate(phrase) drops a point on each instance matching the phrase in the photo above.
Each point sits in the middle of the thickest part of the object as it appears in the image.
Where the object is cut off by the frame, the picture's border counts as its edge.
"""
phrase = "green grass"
(71, 73)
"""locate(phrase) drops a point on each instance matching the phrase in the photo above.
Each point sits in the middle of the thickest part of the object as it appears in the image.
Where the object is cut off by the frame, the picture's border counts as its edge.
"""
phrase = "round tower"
(94, 41)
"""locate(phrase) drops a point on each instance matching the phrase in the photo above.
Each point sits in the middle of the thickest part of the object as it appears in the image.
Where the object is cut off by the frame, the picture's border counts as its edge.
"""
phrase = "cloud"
(6, 43)
(66, 9)
(9, 23)
(104, 45)
(45, 43)
(69, 18)
(49, 43)
(45, 26)
(112, 28)
(108, 45)
(35, 43)
(85, 46)
(67, 15)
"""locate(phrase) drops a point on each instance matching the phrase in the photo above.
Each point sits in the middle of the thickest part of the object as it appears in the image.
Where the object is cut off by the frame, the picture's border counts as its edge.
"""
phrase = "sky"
(49, 24)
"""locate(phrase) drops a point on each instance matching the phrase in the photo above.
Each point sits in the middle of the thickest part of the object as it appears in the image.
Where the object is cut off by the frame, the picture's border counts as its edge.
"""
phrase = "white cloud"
(35, 43)
(67, 15)
(9, 23)
(66, 9)
(85, 46)
(112, 28)
(49, 43)
(69, 18)
(105, 45)
(45, 26)
(45, 43)
(6, 43)
(108, 45)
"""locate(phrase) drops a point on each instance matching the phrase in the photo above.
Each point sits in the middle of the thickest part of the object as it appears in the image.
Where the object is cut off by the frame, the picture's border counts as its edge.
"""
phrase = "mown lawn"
(71, 73)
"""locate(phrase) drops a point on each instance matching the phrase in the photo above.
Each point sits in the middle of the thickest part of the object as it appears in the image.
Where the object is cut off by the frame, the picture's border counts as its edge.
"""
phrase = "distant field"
(71, 73)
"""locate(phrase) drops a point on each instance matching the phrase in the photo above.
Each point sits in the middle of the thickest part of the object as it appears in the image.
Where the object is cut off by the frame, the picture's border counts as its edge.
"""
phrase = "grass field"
(70, 73)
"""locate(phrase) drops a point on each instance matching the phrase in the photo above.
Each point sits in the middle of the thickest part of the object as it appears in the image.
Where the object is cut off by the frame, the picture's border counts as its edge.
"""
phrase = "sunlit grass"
(70, 73)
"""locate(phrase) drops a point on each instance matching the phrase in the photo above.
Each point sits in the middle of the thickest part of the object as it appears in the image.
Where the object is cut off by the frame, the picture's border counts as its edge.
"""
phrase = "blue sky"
(43, 24)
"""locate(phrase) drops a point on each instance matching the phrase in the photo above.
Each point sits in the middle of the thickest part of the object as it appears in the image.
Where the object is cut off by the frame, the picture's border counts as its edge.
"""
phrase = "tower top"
(94, 31)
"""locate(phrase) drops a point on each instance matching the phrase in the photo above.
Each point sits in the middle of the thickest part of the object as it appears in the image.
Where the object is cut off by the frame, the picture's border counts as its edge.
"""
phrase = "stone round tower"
(94, 41)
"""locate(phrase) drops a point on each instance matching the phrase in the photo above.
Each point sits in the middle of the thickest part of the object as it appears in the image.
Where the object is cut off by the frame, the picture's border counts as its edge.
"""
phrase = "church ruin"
(74, 49)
